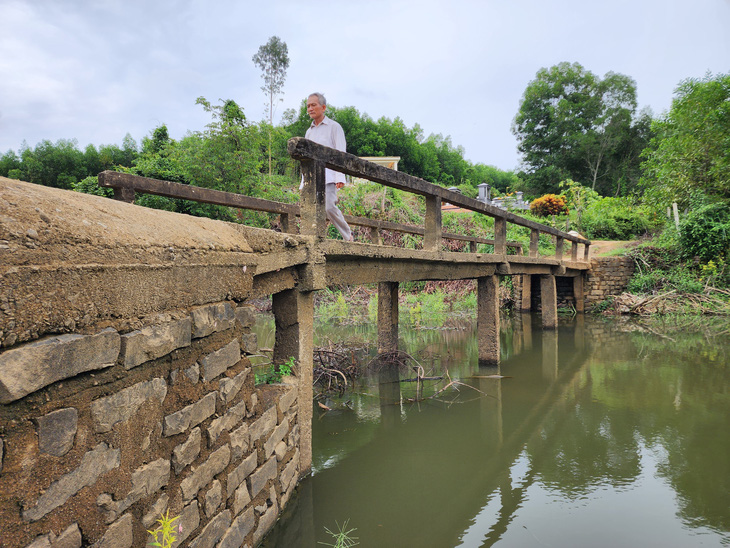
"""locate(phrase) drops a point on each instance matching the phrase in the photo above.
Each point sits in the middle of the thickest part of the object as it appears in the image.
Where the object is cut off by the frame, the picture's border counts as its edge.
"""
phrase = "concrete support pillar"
(294, 321)
(526, 298)
(488, 319)
(387, 317)
(549, 301)
(578, 294)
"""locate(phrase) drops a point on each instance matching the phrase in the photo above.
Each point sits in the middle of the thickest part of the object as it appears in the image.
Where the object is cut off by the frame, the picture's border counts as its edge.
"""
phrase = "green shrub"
(425, 308)
(549, 204)
(705, 232)
(617, 219)
(334, 308)
(276, 373)
(90, 185)
(653, 281)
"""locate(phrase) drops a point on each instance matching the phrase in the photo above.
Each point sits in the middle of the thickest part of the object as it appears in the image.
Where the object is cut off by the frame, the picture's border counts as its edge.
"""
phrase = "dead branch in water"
(333, 367)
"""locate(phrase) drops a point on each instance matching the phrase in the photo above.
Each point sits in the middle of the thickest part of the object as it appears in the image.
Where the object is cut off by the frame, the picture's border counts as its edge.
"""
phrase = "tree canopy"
(273, 60)
(572, 124)
(689, 158)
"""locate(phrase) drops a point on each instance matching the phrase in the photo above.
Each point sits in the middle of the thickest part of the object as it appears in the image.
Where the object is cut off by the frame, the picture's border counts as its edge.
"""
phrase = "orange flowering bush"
(550, 204)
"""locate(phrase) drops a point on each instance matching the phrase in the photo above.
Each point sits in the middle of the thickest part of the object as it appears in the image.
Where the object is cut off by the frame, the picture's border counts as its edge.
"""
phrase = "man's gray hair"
(320, 98)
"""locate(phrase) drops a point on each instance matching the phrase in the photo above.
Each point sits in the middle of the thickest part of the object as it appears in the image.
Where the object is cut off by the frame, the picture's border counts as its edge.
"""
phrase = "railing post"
(124, 195)
(288, 223)
(432, 237)
(573, 251)
(375, 235)
(121, 193)
(500, 236)
(586, 252)
(534, 242)
(312, 209)
(559, 241)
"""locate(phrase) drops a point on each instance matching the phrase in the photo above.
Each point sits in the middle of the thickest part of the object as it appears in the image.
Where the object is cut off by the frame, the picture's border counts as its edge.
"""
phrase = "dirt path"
(601, 247)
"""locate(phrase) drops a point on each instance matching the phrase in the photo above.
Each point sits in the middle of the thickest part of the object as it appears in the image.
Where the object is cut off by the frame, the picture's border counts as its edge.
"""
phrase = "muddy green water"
(603, 434)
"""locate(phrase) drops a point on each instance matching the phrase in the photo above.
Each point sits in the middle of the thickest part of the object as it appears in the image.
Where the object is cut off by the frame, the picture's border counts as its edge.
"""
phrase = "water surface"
(603, 434)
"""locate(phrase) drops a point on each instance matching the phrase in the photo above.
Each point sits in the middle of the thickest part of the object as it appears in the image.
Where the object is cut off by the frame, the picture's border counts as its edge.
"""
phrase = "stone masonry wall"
(102, 433)
(126, 388)
(607, 277)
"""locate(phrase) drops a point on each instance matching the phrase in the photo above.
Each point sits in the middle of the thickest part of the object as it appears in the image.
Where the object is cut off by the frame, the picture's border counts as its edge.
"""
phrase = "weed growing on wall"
(164, 535)
(276, 373)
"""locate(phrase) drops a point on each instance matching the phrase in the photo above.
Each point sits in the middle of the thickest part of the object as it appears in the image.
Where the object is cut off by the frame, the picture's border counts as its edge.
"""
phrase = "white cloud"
(97, 69)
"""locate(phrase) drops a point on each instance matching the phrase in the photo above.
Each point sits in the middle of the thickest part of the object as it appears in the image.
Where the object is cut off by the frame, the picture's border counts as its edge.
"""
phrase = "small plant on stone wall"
(164, 535)
(275, 374)
(341, 536)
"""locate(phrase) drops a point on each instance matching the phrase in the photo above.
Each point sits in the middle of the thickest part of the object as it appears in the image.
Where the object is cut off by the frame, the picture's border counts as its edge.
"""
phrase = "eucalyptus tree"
(273, 60)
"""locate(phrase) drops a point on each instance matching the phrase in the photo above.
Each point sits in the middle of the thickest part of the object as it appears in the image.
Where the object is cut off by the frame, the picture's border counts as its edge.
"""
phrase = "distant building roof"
(390, 162)
(386, 161)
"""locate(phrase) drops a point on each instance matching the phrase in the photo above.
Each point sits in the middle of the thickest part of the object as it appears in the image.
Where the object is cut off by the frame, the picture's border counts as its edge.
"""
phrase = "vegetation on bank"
(591, 163)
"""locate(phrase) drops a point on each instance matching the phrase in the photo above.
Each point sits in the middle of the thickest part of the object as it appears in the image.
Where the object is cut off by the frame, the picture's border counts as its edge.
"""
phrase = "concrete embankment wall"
(126, 389)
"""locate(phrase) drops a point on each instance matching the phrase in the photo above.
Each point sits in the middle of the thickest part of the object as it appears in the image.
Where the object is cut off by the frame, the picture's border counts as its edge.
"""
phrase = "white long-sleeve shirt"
(330, 134)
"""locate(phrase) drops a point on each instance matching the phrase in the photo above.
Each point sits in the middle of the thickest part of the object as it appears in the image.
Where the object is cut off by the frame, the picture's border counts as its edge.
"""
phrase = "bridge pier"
(526, 296)
(387, 317)
(579, 294)
(488, 319)
(294, 320)
(549, 301)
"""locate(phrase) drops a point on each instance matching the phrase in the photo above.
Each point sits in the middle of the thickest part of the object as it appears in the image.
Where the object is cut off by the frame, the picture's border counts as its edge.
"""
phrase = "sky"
(95, 70)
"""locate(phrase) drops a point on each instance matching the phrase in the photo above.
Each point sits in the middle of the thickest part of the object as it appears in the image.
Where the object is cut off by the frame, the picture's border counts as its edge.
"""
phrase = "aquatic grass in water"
(341, 536)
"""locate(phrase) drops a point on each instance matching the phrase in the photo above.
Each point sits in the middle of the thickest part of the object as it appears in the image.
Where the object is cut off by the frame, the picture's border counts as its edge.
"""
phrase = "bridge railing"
(126, 186)
(315, 158)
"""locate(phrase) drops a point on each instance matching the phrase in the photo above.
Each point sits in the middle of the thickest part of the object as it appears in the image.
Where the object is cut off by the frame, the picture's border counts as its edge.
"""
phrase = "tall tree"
(273, 60)
(571, 125)
(690, 155)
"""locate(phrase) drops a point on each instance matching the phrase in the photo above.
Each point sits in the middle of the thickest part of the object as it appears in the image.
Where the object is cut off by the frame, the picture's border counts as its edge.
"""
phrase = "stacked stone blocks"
(608, 277)
(102, 432)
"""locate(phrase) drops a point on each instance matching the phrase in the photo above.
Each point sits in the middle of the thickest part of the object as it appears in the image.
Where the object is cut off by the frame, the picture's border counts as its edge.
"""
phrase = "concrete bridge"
(313, 262)
(126, 388)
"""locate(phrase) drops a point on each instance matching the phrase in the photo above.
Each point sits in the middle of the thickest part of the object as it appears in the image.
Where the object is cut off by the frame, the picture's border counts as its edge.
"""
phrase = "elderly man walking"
(329, 133)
